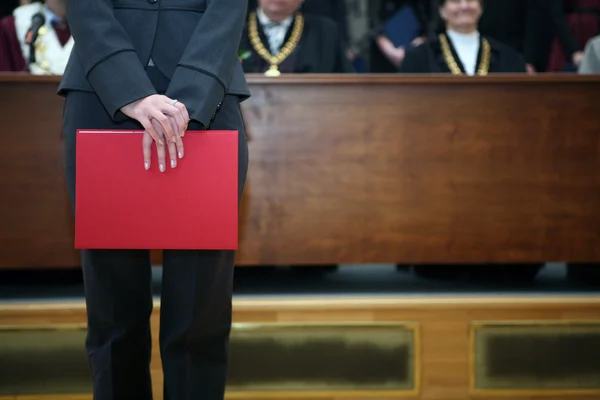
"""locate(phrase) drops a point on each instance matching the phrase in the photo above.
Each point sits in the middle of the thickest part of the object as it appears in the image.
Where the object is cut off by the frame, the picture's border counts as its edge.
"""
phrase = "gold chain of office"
(484, 64)
(286, 50)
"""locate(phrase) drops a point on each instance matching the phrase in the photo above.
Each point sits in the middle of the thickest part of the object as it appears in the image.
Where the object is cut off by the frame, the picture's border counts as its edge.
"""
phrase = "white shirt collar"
(265, 21)
(466, 46)
(51, 17)
(463, 38)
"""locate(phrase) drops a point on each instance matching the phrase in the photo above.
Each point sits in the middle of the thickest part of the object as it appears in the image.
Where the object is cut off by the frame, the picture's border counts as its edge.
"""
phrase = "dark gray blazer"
(193, 42)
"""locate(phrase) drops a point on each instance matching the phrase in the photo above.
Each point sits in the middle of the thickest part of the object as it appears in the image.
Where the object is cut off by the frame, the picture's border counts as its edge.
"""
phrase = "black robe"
(320, 50)
(333, 9)
(512, 22)
(428, 58)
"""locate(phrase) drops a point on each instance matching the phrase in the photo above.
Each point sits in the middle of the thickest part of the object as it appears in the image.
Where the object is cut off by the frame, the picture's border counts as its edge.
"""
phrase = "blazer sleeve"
(206, 67)
(109, 60)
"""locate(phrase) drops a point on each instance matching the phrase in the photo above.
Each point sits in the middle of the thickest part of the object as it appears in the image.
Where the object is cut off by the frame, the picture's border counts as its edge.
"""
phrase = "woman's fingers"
(154, 134)
(163, 121)
(172, 146)
(184, 112)
(160, 148)
(178, 143)
(147, 141)
(175, 111)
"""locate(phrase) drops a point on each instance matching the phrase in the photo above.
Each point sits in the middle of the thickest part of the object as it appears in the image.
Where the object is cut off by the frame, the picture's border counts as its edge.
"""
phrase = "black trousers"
(195, 315)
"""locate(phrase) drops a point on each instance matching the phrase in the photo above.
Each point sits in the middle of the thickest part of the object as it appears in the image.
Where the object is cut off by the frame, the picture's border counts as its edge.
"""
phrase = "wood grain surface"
(360, 168)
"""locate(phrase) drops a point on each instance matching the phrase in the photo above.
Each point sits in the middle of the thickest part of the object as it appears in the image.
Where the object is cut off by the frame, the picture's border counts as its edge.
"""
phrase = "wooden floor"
(438, 347)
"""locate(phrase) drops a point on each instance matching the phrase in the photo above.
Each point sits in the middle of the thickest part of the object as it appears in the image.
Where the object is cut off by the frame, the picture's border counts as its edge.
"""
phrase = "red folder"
(120, 205)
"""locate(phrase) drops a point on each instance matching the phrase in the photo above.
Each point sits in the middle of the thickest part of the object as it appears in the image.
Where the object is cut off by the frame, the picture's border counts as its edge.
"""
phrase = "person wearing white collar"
(460, 49)
(591, 57)
(53, 45)
(279, 38)
(275, 18)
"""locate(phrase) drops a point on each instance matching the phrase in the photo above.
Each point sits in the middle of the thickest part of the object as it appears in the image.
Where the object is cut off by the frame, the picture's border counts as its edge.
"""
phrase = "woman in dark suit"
(161, 67)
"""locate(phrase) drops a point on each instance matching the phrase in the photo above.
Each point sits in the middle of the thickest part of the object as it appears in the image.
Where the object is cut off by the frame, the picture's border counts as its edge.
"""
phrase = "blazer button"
(152, 1)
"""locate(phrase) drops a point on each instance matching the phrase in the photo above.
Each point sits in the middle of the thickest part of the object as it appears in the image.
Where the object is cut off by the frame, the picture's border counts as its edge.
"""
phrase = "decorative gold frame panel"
(524, 327)
(293, 332)
(288, 333)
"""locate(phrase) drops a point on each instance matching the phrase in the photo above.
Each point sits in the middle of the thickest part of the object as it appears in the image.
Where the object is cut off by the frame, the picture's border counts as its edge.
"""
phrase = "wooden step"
(435, 347)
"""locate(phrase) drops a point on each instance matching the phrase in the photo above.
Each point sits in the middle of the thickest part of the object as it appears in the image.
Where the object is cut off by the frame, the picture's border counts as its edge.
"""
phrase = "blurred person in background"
(332, 9)
(575, 23)
(590, 63)
(359, 43)
(515, 24)
(279, 38)
(460, 49)
(397, 26)
(52, 47)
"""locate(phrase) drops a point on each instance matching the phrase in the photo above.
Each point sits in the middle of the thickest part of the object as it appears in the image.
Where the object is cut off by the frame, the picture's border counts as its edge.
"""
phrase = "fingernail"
(162, 167)
(160, 141)
(174, 139)
(147, 166)
(173, 164)
(181, 154)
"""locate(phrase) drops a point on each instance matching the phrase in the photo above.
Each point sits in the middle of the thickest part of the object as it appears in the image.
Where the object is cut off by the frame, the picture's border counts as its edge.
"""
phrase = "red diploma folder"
(120, 205)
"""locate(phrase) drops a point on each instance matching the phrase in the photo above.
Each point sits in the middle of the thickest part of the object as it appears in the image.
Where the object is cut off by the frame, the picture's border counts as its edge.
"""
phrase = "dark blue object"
(402, 27)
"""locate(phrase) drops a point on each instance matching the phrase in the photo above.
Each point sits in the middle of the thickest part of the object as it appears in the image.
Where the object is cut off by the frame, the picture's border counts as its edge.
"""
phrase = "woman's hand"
(175, 149)
(419, 40)
(393, 53)
(165, 122)
(159, 108)
(577, 58)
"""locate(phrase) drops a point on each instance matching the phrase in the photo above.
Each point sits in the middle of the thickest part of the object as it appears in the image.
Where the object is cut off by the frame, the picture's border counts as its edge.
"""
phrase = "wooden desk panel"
(36, 228)
(361, 169)
(444, 355)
